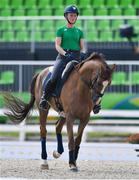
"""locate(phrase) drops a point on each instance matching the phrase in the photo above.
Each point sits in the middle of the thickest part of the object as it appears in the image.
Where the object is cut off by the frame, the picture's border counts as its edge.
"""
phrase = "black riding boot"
(46, 95)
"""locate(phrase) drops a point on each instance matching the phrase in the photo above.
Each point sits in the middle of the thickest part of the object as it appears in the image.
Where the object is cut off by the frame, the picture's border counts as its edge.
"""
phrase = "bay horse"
(81, 92)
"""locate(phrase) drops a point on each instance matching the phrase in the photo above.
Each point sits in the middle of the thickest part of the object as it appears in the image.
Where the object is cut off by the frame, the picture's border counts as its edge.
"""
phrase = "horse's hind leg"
(59, 126)
(43, 131)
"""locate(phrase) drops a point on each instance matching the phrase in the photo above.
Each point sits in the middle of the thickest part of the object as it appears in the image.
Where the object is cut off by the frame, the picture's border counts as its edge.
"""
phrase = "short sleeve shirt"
(70, 37)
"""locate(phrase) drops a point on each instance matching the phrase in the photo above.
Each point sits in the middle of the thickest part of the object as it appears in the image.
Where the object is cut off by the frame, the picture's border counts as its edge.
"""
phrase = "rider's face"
(72, 17)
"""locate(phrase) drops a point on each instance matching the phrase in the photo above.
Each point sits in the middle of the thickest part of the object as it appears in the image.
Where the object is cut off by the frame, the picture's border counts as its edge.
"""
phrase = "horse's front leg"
(78, 138)
(60, 148)
(43, 131)
(71, 143)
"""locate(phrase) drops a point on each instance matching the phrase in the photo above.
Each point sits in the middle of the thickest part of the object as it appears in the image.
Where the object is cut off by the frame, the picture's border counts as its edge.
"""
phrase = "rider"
(70, 45)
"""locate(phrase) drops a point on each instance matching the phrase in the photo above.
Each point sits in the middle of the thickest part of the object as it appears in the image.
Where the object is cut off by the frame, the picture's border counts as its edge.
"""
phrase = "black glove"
(96, 108)
(69, 56)
(83, 56)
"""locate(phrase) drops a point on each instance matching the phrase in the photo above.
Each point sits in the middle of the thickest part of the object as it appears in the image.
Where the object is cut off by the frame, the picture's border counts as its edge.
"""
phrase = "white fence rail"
(23, 129)
(102, 113)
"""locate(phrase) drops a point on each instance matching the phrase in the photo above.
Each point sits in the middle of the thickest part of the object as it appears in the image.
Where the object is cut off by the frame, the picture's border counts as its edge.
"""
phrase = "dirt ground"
(58, 169)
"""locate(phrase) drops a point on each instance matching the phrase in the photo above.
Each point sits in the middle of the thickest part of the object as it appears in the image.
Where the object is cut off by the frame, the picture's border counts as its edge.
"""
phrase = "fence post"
(20, 78)
(130, 78)
(32, 48)
(22, 132)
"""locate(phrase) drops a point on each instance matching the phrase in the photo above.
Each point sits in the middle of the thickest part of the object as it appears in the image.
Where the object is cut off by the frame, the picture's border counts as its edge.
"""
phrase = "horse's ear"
(113, 67)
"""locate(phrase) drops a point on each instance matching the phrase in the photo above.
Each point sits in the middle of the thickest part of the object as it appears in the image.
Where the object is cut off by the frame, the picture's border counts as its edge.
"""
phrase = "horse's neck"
(84, 77)
(88, 69)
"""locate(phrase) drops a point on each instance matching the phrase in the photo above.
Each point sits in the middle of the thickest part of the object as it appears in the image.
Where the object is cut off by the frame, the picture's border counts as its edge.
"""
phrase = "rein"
(91, 85)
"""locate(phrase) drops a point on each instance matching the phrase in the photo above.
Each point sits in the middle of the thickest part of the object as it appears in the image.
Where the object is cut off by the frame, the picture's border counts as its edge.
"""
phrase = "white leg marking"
(56, 154)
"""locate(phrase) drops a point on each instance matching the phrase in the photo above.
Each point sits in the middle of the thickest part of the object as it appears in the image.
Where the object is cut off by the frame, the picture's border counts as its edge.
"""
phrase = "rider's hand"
(69, 56)
(83, 56)
(97, 108)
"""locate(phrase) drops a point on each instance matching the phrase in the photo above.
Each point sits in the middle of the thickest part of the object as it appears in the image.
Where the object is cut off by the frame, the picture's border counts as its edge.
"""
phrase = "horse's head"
(104, 76)
(101, 75)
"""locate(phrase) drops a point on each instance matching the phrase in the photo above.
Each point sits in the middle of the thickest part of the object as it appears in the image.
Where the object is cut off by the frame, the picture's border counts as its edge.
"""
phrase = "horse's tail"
(18, 110)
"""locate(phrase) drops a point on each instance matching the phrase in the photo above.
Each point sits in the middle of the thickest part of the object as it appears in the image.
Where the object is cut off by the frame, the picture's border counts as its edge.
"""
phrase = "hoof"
(56, 154)
(73, 167)
(44, 165)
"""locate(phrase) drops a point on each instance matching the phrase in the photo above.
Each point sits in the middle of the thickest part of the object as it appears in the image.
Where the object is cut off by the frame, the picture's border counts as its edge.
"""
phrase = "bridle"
(92, 85)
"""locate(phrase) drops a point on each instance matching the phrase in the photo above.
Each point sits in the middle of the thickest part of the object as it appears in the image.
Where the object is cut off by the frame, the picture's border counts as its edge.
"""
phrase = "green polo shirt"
(70, 37)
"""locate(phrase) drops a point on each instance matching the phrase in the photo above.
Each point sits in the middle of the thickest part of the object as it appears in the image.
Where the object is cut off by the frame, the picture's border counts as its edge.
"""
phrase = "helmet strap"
(66, 16)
